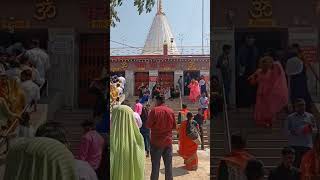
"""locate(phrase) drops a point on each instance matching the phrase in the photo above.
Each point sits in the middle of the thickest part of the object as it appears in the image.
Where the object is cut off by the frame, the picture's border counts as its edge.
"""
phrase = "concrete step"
(253, 150)
(267, 161)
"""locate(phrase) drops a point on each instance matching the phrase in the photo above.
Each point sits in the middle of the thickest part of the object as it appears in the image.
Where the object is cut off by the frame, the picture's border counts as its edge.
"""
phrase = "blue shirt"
(296, 122)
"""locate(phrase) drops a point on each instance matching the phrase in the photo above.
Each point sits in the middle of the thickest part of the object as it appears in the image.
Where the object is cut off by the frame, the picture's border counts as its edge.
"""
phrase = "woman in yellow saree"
(12, 99)
(127, 152)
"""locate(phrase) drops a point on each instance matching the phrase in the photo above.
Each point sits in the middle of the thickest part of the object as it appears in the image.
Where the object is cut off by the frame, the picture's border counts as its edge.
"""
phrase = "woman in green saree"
(127, 155)
(39, 159)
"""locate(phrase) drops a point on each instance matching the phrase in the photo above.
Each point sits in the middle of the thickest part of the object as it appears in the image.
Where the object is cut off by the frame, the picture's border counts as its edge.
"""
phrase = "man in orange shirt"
(233, 165)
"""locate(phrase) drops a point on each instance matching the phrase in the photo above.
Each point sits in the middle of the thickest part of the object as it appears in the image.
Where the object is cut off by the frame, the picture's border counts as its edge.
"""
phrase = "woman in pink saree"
(194, 90)
(272, 94)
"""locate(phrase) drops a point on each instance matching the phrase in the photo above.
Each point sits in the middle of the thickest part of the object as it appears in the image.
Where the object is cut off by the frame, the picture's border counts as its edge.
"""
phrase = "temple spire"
(159, 34)
(160, 10)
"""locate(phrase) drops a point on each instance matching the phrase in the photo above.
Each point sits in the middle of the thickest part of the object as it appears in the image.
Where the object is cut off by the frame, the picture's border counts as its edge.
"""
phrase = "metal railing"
(180, 90)
(226, 120)
(185, 50)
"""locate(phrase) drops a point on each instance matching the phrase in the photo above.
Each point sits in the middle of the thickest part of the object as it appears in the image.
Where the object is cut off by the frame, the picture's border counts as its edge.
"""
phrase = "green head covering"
(39, 159)
(127, 156)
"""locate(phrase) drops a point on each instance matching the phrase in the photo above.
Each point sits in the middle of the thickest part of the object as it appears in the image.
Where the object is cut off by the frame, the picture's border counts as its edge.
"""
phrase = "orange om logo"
(261, 9)
(191, 66)
(45, 10)
(124, 65)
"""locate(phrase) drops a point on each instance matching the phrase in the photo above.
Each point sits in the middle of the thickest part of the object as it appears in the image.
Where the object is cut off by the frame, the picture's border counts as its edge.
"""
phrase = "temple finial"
(160, 10)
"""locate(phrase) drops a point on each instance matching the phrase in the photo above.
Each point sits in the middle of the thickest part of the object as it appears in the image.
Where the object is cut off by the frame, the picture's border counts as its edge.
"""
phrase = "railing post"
(226, 120)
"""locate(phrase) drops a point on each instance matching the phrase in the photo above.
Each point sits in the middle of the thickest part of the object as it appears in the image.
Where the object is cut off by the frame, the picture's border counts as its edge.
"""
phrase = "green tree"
(141, 5)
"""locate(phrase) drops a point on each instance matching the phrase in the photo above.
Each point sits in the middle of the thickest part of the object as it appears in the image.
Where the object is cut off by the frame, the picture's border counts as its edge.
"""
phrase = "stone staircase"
(71, 120)
(175, 105)
(264, 144)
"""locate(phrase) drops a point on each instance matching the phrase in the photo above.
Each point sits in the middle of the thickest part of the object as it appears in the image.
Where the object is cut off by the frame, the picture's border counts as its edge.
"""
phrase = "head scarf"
(39, 159)
(127, 155)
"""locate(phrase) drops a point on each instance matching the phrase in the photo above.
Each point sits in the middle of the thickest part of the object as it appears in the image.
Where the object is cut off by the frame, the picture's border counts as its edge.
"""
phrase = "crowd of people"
(23, 76)
(240, 164)
(145, 129)
(42, 153)
(141, 131)
(273, 83)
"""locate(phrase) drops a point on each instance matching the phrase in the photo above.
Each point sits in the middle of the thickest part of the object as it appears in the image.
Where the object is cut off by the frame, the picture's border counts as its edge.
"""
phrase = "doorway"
(92, 55)
(140, 78)
(118, 73)
(266, 40)
(166, 79)
(24, 36)
(187, 77)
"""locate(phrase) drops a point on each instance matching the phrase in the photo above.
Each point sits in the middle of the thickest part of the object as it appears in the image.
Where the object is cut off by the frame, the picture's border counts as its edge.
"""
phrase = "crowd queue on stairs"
(263, 80)
(145, 129)
(45, 152)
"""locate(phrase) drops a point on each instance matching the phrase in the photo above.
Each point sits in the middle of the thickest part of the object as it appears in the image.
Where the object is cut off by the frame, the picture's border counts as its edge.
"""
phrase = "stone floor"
(203, 172)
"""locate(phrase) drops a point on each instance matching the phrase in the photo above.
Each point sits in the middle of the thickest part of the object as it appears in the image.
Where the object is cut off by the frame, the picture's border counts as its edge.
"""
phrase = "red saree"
(310, 166)
(272, 94)
(187, 148)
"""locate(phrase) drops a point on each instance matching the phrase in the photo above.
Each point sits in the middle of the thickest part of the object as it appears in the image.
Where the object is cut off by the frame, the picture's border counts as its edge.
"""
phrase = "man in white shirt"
(39, 58)
(122, 81)
(25, 64)
(204, 102)
(14, 71)
(31, 90)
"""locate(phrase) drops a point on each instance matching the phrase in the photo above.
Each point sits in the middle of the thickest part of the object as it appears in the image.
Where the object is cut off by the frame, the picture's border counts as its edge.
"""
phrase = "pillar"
(130, 82)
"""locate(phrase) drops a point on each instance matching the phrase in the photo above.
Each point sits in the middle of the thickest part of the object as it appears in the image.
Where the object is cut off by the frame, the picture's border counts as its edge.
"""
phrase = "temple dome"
(159, 34)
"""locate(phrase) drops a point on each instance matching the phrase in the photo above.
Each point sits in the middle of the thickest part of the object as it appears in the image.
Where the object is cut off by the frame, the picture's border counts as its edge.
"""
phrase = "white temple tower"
(159, 34)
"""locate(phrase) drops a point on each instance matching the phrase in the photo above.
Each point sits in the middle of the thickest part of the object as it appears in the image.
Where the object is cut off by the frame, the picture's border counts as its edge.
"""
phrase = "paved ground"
(203, 172)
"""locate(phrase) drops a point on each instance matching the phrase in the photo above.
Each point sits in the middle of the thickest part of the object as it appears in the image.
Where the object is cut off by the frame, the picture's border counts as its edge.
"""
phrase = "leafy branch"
(141, 5)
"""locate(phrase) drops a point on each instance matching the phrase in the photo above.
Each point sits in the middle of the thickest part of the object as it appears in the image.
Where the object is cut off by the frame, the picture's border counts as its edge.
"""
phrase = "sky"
(184, 16)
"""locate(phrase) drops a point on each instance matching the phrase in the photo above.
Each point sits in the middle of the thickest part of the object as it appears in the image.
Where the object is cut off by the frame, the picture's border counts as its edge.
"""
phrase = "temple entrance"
(140, 78)
(93, 48)
(266, 40)
(118, 73)
(187, 77)
(24, 36)
(166, 79)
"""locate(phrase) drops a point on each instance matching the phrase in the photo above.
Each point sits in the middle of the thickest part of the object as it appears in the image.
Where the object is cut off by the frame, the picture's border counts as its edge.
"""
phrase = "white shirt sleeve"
(138, 119)
(36, 92)
(36, 77)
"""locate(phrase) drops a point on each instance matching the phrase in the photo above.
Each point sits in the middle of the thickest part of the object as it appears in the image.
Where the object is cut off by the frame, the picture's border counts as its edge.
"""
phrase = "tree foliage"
(141, 5)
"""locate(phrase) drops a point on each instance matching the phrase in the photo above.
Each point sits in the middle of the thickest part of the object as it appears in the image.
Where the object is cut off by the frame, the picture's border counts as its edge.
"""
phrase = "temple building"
(160, 59)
